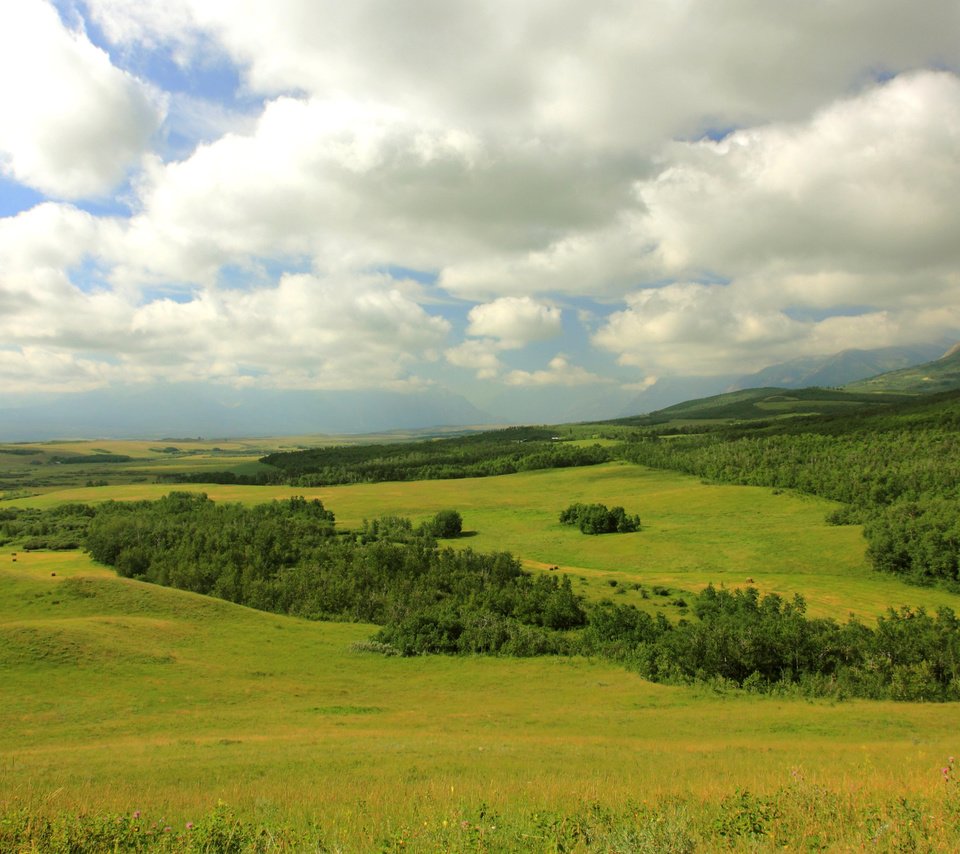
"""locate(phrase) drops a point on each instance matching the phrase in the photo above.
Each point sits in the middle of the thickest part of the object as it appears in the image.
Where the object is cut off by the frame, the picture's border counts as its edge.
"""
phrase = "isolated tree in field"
(599, 519)
(446, 525)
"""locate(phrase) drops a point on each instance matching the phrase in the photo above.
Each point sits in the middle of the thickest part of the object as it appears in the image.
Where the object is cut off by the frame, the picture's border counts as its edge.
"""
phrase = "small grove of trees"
(599, 519)
(445, 525)
(766, 644)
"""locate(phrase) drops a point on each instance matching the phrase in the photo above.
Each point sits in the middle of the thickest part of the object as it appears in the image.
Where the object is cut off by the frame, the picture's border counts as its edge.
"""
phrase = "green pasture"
(119, 696)
(693, 533)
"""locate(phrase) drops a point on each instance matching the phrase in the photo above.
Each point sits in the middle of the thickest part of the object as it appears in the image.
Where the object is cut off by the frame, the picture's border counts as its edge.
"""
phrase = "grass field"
(121, 696)
(693, 533)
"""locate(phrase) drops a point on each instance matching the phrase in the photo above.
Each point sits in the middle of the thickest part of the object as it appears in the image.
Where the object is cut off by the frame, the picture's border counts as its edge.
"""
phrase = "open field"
(120, 696)
(38, 467)
(693, 534)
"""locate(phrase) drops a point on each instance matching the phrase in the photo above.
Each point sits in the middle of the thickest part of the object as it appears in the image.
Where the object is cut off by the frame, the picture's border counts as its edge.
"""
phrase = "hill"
(122, 697)
(941, 374)
(838, 369)
(765, 404)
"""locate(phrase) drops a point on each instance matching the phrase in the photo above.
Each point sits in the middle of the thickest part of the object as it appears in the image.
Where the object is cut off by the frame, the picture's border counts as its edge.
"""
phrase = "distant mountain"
(671, 390)
(941, 374)
(838, 369)
(194, 409)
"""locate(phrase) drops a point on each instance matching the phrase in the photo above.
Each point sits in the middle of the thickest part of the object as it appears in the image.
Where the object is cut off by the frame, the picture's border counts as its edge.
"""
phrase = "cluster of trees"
(445, 525)
(600, 519)
(491, 453)
(766, 644)
(260, 478)
(896, 470)
(287, 557)
(59, 528)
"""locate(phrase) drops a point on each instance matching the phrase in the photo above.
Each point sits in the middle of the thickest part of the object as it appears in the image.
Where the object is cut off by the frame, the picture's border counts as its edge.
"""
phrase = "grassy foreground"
(120, 696)
(264, 732)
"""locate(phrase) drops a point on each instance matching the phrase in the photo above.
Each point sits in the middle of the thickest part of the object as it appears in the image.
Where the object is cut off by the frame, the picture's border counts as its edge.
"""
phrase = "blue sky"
(560, 199)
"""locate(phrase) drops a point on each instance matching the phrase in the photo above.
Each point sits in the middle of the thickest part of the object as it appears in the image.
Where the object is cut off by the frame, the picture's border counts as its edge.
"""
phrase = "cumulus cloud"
(477, 355)
(352, 185)
(73, 123)
(608, 71)
(710, 330)
(509, 323)
(728, 181)
(515, 321)
(305, 332)
(851, 213)
(558, 372)
(867, 186)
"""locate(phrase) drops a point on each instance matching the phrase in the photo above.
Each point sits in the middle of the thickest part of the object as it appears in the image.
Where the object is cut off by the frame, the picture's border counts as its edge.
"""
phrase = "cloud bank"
(378, 195)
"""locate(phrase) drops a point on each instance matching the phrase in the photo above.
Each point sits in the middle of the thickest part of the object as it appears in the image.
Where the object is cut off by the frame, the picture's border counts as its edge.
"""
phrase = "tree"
(446, 525)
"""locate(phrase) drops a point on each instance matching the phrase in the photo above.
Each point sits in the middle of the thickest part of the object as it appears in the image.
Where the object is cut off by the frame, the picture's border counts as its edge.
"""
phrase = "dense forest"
(289, 557)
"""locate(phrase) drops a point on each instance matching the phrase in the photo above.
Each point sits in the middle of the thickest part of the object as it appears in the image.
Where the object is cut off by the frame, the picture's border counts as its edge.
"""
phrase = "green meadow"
(693, 533)
(120, 696)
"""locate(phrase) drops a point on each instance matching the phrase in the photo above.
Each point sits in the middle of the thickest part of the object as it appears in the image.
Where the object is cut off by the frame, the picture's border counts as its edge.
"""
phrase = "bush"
(446, 525)
(599, 519)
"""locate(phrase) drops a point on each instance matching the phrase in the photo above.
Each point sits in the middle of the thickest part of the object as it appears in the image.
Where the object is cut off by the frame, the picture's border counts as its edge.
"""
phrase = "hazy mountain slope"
(838, 369)
(941, 374)
(672, 390)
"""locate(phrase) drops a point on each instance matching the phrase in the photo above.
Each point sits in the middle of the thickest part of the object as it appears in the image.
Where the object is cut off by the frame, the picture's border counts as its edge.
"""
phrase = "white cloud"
(305, 332)
(515, 321)
(518, 151)
(711, 330)
(852, 214)
(608, 72)
(477, 355)
(867, 187)
(558, 372)
(73, 123)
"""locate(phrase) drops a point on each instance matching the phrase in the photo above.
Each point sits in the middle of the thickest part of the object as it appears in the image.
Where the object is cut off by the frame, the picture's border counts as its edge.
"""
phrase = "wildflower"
(137, 814)
(167, 829)
(189, 825)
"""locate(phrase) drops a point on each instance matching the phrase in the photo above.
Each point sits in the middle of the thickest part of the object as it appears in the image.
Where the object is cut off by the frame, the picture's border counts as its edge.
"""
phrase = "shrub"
(446, 525)
(599, 519)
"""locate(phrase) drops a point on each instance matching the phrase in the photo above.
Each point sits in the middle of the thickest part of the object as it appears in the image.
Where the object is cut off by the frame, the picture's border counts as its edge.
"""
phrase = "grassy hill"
(121, 697)
(693, 533)
(766, 404)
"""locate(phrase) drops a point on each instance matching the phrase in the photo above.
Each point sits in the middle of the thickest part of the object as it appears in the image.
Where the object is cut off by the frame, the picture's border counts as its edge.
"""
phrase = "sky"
(483, 197)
